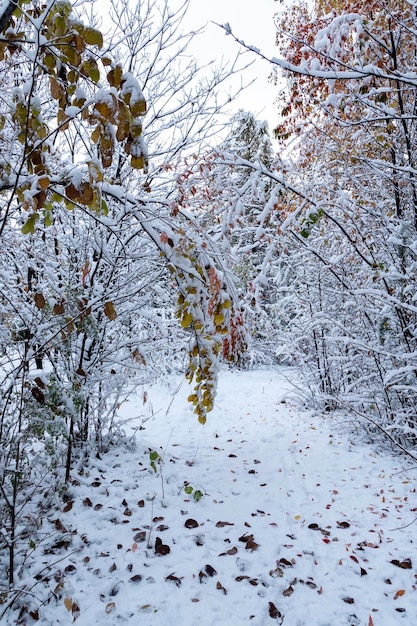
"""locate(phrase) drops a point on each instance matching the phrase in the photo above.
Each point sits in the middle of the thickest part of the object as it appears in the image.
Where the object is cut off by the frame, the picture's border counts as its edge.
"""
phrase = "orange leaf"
(399, 593)
(134, 547)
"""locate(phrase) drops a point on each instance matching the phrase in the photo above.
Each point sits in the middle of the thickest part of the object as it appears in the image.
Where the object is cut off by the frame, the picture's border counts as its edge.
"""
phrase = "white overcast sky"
(250, 20)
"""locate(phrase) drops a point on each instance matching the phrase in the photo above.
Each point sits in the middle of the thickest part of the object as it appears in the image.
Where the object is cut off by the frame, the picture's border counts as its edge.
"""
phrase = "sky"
(253, 23)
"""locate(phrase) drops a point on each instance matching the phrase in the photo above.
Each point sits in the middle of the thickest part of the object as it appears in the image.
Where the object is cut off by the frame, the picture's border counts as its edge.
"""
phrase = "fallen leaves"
(174, 579)
(160, 548)
(274, 613)
(406, 564)
(250, 542)
(220, 587)
(191, 523)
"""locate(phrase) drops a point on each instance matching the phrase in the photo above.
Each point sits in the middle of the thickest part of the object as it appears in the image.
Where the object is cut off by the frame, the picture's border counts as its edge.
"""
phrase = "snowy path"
(296, 524)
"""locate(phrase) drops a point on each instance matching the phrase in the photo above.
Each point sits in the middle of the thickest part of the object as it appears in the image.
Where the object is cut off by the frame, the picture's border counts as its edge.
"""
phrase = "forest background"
(135, 243)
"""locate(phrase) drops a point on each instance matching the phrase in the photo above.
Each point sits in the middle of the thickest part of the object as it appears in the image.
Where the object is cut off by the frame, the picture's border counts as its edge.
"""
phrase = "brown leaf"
(84, 194)
(141, 503)
(406, 564)
(40, 302)
(284, 563)
(110, 311)
(274, 613)
(399, 593)
(223, 524)
(230, 552)
(38, 395)
(246, 538)
(135, 579)
(58, 309)
(68, 604)
(349, 600)
(110, 607)
(174, 579)
(288, 592)
(191, 523)
(314, 527)
(201, 576)
(161, 548)
(343, 524)
(210, 570)
(87, 502)
(220, 587)
(276, 573)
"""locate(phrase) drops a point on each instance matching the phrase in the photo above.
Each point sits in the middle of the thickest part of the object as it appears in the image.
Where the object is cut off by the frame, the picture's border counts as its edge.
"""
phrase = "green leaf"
(197, 495)
(93, 36)
(29, 226)
(188, 490)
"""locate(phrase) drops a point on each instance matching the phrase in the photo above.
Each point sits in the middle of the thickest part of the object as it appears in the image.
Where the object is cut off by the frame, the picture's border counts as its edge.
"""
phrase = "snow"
(301, 522)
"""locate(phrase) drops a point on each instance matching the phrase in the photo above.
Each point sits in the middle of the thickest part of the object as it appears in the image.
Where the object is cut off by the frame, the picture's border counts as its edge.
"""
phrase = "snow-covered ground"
(299, 523)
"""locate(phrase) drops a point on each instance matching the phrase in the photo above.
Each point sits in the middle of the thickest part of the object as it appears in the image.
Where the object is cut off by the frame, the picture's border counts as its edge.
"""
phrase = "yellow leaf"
(186, 320)
(95, 135)
(43, 182)
(103, 108)
(68, 604)
(138, 108)
(137, 163)
(115, 76)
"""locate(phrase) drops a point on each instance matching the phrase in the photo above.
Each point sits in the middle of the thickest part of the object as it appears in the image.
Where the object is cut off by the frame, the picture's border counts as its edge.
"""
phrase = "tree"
(98, 265)
(346, 205)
